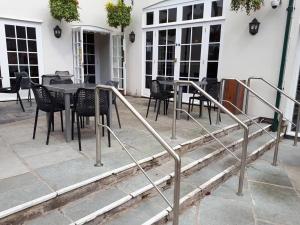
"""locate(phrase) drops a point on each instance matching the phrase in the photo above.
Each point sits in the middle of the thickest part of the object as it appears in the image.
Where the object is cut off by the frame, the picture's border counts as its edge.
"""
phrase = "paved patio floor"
(30, 169)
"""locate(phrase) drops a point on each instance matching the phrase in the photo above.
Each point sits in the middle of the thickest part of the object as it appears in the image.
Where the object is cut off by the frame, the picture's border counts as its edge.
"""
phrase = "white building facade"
(177, 39)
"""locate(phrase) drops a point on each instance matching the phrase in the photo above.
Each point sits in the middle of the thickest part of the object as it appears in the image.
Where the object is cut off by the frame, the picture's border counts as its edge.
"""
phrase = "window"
(168, 15)
(150, 18)
(216, 8)
(213, 51)
(149, 58)
(21, 45)
(192, 12)
(89, 57)
(118, 60)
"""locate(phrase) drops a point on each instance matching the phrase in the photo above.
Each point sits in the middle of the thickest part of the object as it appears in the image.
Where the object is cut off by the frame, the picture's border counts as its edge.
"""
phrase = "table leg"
(179, 101)
(68, 126)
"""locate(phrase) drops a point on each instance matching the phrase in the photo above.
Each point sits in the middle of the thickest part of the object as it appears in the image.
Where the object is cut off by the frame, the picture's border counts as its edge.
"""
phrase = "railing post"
(174, 111)
(247, 96)
(176, 206)
(243, 161)
(277, 140)
(297, 127)
(98, 135)
(221, 93)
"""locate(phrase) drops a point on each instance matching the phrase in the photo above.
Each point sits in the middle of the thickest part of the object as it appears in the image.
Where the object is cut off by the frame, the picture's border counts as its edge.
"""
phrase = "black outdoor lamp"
(132, 37)
(254, 26)
(57, 31)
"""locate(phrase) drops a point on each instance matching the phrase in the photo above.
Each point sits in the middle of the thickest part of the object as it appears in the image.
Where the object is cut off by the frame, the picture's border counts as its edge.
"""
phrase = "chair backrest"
(25, 82)
(43, 97)
(61, 81)
(85, 102)
(213, 87)
(15, 88)
(164, 87)
(155, 88)
(47, 78)
(62, 73)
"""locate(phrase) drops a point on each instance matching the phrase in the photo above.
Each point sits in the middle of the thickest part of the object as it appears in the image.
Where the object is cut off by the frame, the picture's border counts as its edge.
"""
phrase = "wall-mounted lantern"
(132, 37)
(57, 31)
(254, 26)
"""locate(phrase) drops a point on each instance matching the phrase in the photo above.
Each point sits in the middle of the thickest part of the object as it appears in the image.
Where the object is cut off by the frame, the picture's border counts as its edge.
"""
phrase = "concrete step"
(64, 196)
(136, 190)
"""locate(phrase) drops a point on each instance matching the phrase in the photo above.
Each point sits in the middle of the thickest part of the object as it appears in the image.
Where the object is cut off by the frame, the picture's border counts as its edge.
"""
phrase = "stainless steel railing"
(165, 145)
(248, 89)
(178, 83)
(297, 125)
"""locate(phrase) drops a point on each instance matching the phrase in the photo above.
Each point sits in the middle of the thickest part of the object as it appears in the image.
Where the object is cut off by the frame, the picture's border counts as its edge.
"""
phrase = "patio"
(30, 169)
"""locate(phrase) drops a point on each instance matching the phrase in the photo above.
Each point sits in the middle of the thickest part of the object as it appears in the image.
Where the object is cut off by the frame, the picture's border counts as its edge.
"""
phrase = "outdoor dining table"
(68, 90)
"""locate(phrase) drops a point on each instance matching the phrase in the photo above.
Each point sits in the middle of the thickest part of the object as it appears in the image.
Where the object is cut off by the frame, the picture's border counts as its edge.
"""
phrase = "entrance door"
(78, 55)
(118, 61)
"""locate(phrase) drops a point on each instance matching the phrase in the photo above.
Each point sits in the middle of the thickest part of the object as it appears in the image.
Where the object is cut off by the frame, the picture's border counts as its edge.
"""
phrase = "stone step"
(134, 188)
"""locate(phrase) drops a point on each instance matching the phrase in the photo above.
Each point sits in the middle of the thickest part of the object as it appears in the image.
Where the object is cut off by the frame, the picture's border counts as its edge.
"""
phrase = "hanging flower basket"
(64, 10)
(118, 15)
(248, 5)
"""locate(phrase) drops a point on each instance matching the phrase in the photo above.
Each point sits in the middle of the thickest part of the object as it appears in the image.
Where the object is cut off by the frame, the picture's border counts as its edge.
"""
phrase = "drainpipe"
(290, 10)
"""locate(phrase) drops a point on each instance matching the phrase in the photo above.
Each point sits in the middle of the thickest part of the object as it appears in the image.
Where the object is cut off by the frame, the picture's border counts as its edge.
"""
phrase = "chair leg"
(209, 111)
(158, 109)
(20, 100)
(155, 105)
(148, 107)
(102, 126)
(73, 120)
(50, 118)
(35, 122)
(117, 112)
(193, 101)
(189, 108)
(52, 122)
(108, 132)
(200, 109)
(62, 121)
(78, 132)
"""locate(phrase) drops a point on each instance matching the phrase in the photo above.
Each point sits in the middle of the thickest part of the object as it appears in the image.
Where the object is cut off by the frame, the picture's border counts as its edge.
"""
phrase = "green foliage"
(64, 10)
(248, 5)
(118, 14)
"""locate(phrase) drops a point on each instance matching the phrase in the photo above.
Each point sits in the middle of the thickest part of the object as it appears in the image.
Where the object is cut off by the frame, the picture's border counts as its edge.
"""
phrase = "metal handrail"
(248, 117)
(165, 145)
(136, 162)
(210, 133)
(297, 125)
(177, 83)
(265, 102)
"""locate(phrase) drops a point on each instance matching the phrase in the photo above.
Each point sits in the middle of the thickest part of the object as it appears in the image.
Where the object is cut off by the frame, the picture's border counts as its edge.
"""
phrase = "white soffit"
(94, 29)
(166, 3)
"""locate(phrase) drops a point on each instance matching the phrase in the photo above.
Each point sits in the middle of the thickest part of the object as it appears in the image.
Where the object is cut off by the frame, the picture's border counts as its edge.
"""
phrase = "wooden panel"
(234, 93)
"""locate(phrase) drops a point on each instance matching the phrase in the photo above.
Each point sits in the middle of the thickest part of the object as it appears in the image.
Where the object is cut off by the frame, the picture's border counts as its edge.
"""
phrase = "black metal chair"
(15, 89)
(47, 103)
(114, 98)
(62, 73)
(85, 107)
(47, 78)
(159, 95)
(212, 88)
(25, 84)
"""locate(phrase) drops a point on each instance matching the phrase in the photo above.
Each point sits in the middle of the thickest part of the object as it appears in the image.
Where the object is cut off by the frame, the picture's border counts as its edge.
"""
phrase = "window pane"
(149, 18)
(12, 70)
(33, 59)
(184, 69)
(162, 52)
(149, 38)
(216, 8)
(149, 53)
(187, 12)
(31, 33)
(194, 70)
(24, 69)
(12, 58)
(172, 15)
(185, 52)
(162, 37)
(11, 45)
(215, 33)
(170, 69)
(90, 38)
(213, 52)
(197, 35)
(212, 69)
(91, 69)
(23, 58)
(91, 59)
(34, 71)
(171, 36)
(32, 46)
(196, 52)
(148, 81)
(170, 52)
(10, 31)
(149, 68)
(22, 46)
(163, 16)
(186, 36)
(160, 68)
(90, 49)
(21, 33)
(198, 11)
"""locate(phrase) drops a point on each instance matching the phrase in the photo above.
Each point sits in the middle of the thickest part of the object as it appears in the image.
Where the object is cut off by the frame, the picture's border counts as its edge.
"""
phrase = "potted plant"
(64, 10)
(248, 5)
(118, 15)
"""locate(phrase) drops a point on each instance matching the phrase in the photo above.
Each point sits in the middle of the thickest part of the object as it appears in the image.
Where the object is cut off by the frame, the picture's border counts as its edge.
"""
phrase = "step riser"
(106, 182)
(217, 154)
(214, 183)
